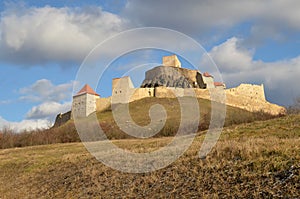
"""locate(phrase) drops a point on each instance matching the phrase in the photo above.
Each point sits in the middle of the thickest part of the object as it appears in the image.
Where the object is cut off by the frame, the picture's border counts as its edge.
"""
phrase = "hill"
(253, 160)
(139, 111)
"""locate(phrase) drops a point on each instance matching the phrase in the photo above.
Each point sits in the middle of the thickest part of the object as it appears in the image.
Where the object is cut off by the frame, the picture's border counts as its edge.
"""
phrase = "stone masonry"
(169, 81)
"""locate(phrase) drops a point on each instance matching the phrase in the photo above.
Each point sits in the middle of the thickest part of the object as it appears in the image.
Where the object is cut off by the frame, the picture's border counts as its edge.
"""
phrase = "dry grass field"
(139, 111)
(253, 160)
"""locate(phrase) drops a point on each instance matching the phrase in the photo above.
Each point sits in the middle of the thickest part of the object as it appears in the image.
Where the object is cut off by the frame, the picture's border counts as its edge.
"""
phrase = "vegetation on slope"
(253, 160)
(139, 111)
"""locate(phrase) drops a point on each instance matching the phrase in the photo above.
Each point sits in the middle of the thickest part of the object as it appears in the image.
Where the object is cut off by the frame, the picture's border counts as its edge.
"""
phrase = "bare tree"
(295, 108)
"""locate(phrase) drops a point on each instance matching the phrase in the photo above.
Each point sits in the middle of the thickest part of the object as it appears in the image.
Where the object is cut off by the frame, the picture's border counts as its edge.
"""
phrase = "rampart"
(252, 98)
(255, 92)
(246, 96)
(62, 118)
(169, 80)
(103, 104)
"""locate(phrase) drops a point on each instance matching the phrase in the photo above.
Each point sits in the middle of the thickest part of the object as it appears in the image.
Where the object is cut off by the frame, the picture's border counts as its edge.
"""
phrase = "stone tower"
(208, 79)
(122, 90)
(171, 60)
(84, 102)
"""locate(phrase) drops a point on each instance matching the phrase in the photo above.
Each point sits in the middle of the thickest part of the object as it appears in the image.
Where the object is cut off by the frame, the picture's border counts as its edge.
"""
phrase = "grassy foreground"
(139, 111)
(253, 160)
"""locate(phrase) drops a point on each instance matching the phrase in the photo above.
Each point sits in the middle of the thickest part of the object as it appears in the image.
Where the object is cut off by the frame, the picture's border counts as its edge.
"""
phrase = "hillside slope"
(139, 111)
(259, 159)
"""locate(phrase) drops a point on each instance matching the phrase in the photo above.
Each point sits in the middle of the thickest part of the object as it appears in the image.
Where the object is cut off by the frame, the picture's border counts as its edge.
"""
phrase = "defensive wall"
(62, 118)
(103, 104)
(169, 81)
(246, 96)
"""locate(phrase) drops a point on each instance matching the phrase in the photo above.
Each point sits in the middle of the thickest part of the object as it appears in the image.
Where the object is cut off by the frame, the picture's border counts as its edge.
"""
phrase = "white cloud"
(52, 99)
(32, 35)
(191, 15)
(232, 56)
(237, 65)
(24, 124)
(44, 91)
(5, 102)
(37, 35)
(206, 16)
(48, 110)
(40, 116)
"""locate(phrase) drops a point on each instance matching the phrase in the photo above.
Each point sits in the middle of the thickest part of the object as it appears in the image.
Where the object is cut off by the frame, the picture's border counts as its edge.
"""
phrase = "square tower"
(84, 102)
(208, 79)
(171, 60)
(122, 90)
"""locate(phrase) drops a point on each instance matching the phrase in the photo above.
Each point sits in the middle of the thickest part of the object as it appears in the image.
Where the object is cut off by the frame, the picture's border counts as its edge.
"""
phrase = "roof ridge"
(87, 89)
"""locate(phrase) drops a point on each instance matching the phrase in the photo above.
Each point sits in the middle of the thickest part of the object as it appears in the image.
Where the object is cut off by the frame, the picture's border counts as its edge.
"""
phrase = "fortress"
(170, 80)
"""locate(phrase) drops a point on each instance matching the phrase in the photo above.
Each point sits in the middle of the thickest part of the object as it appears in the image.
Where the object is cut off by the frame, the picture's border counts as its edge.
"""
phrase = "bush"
(139, 111)
(295, 108)
(66, 133)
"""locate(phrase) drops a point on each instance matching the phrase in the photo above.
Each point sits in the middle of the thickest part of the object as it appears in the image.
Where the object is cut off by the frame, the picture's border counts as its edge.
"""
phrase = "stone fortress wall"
(62, 118)
(158, 80)
(252, 102)
(255, 92)
(252, 98)
(123, 91)
(245, 96)
(170, 81)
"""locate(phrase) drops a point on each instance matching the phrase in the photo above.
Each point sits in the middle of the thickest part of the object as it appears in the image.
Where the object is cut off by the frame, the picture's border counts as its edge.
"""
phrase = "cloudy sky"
(43, 43)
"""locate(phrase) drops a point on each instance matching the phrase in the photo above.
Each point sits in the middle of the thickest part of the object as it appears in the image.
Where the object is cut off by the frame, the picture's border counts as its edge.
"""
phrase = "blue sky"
(43, 44)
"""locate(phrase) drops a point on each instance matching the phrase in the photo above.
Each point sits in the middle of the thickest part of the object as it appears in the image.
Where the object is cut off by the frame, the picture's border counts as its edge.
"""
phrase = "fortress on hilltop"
(170, 80)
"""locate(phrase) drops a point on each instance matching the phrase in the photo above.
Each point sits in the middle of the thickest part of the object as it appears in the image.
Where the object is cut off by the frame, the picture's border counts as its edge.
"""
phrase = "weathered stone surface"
(173, 77)
(171, 60)
(62, 118)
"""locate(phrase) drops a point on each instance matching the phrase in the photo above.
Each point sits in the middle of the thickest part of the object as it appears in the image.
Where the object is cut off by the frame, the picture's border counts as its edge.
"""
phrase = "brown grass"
(139, 111)
(65, 134)
(253, 160)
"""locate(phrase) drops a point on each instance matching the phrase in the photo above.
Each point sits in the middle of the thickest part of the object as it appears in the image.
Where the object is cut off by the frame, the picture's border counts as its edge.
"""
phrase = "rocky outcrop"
(173, 77)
